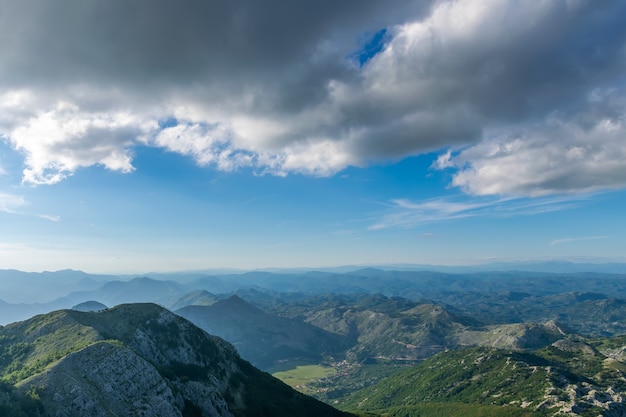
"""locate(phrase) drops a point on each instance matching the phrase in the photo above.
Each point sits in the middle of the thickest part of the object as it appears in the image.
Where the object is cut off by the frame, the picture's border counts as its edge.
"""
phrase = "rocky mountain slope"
(568, 378)
(358, 328)
(394, 328)
(138, 359)
(592, 314)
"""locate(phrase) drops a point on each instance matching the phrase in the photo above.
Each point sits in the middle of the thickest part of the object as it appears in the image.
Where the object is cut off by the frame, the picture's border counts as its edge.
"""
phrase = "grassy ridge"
(571, 375)
(474, 376)
(26, 348)
(187, 359)
(454, 410)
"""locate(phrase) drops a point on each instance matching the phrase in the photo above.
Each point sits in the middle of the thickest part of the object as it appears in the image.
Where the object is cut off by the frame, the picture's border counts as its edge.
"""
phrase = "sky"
(153, 135)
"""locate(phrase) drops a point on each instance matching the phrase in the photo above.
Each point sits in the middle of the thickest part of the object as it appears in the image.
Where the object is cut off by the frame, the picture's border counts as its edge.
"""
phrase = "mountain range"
(23, 295)
(359, 330)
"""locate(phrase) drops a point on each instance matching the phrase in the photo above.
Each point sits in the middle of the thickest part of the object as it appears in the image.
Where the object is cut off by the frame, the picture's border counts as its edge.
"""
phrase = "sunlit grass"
(304, 374)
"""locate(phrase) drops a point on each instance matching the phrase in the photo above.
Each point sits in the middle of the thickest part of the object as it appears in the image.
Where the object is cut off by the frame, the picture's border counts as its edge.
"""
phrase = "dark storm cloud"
(278, 86)
(155, 41)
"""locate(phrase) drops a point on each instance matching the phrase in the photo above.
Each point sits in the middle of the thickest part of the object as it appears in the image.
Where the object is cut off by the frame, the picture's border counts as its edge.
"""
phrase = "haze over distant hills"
(264, 339)
(25, 294)
(359, 325)
(42, 287)
(561, 266)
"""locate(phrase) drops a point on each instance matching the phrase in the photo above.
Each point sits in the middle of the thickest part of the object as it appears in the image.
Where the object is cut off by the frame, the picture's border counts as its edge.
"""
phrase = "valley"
(374, 341)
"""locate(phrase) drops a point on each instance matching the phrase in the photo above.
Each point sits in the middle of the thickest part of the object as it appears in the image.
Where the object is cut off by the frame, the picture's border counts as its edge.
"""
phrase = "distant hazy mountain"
(588, 313)
(494, 297)
(10, 313)
(553, 266)
(138, 359)
(42, 287)
(262, 338)
(397, 329)
(137, 290)
(109, 293)
(89, 306)
(198, 297)
(415, 284)
(559, 267)
(360, 328)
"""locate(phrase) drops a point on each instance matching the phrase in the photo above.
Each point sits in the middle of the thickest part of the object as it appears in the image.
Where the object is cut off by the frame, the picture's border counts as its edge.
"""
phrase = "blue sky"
(418, 132)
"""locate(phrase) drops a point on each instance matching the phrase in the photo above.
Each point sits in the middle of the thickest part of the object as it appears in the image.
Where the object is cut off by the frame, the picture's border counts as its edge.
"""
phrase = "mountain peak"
(139, 359)
(236, 304)
(89, 306)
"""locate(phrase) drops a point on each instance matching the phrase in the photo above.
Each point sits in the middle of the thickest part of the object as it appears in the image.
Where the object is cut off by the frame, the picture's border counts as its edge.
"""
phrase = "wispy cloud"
(11, 203)
(576, 239)
(51, 217)
(406, 214)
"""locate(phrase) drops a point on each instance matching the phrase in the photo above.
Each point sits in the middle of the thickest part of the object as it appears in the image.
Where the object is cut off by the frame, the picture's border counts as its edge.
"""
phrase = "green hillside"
(17, 404)
(135, 359)
(568, 377)
(394, 328)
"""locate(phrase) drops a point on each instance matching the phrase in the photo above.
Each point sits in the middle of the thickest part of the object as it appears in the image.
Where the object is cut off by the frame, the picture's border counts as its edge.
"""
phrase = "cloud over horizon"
(519, 98)
(405, 214)
(576, 239)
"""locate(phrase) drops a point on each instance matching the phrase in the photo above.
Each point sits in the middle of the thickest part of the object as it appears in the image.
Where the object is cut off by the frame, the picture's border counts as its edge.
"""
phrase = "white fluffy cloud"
(506, 85)
(58, 142)
(585, 153)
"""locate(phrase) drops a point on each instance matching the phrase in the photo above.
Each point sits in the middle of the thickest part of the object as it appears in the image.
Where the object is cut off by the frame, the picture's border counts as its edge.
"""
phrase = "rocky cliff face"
(102, 380)
(139, 360)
